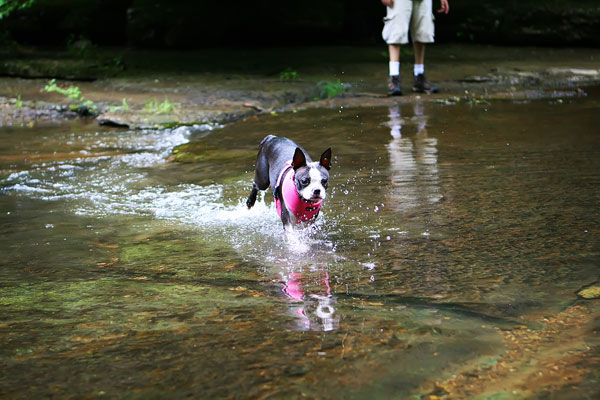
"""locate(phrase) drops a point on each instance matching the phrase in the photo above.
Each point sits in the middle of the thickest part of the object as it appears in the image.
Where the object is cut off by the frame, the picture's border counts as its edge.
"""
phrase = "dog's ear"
(326, 159)
(299, 159)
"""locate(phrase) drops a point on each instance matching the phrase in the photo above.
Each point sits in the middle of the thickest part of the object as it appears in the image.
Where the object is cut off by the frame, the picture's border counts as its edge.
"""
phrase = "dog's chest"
(298, 208)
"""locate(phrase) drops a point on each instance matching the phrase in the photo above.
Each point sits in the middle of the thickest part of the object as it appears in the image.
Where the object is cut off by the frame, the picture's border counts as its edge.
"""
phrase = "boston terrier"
(298, 183)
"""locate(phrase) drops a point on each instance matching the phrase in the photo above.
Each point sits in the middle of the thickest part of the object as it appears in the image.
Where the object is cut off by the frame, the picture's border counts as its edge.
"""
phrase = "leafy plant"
(86, 105)
(329, 89)
(19, 102)
(154, 107)
(8, 6)
(288, 74)
(81, 104)
(72, 92)
(123, 107)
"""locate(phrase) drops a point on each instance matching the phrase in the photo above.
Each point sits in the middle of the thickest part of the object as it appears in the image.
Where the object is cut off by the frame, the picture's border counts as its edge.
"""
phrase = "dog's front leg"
(287, 218)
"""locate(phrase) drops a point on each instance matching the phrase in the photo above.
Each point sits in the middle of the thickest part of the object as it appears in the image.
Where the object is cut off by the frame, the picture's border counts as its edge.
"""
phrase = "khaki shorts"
(416, 14)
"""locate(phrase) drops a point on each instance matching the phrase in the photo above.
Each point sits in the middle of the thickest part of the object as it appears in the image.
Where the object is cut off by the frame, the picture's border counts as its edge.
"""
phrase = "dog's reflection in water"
(314, 305)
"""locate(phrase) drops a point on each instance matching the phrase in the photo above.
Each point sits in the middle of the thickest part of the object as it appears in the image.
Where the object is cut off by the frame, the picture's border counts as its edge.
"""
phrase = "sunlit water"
(126, 275)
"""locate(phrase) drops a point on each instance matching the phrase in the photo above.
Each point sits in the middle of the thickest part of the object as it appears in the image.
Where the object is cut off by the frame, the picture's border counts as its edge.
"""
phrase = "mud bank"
(139, 89)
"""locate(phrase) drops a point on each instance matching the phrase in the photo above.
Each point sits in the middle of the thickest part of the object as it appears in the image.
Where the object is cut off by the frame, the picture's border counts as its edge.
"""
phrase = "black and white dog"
(299, 184)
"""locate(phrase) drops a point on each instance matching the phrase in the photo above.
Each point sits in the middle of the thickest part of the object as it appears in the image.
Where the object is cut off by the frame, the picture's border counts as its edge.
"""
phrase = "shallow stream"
(126, 275)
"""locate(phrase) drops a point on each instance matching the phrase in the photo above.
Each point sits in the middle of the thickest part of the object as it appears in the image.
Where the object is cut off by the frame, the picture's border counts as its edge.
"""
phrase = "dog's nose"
(316, 192)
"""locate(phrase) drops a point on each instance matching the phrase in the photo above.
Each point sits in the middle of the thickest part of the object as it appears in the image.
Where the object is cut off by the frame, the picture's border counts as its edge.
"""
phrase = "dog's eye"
(305, 181)
(324, 182)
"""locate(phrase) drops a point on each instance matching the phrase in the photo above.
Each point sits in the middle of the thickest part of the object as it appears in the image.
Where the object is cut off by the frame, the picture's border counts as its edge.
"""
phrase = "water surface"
(451, 246)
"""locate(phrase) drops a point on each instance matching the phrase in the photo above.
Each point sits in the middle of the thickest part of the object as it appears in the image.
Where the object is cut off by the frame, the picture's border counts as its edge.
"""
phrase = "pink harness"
(303, 210)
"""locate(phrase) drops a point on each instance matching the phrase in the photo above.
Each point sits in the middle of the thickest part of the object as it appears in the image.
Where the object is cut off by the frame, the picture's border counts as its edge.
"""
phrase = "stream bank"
(157, 89)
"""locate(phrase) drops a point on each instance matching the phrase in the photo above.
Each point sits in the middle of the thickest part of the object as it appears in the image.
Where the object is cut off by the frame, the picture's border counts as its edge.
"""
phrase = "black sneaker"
(422, 85)
(394, 88)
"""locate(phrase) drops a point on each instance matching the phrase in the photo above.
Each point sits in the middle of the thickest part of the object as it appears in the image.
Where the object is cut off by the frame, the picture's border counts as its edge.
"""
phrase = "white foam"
(17, 175)
(27, 189)
(121, 185)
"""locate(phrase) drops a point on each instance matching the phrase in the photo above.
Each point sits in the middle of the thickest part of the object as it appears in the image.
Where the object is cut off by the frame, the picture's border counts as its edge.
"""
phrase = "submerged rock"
(143, 120)
(201, 151)
(590, 292)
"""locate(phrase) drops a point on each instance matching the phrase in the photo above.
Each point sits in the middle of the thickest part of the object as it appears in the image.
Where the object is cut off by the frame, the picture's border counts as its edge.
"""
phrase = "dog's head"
(311, 179)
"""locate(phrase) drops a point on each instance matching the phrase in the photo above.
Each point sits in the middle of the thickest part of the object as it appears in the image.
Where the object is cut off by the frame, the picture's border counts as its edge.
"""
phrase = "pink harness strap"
(303, 210)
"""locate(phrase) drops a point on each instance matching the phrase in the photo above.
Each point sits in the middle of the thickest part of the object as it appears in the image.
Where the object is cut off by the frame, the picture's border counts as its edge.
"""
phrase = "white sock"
(419, 69)
(394, 68)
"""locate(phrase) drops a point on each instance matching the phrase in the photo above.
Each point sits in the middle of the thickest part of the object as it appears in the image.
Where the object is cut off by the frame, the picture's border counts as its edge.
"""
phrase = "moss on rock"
(590, 292)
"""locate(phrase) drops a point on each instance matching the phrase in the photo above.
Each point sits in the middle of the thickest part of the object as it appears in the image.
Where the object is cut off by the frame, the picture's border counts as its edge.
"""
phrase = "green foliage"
(123, 107)
(80, 103)
(288, 74)
(85, 107)
(19, 102)
(154, 107)
(72, 92)
(329, 89)
(8, 6)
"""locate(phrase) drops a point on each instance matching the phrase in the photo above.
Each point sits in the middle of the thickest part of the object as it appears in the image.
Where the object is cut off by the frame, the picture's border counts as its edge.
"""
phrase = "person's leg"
(394, 84)
(394, 50)
(422, 31)
(395, 33)
(419, 49)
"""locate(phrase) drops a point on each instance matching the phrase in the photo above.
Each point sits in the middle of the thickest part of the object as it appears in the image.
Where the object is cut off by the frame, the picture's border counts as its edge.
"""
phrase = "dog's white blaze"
(315, 183)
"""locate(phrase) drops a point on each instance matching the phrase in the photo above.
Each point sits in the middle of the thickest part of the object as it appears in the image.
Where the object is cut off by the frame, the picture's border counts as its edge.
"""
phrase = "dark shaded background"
(191, 24)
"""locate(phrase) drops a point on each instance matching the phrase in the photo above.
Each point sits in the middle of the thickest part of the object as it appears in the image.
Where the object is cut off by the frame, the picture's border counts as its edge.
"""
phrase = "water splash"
(121, 184)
